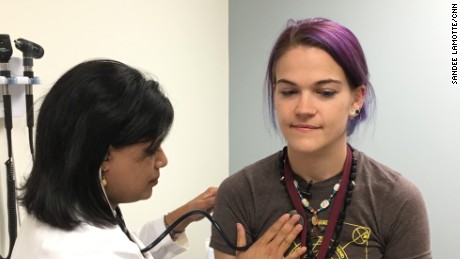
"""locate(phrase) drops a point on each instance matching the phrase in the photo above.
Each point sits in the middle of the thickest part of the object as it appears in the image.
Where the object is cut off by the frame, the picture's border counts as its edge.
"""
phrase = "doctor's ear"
(107, 154)
(105, 161)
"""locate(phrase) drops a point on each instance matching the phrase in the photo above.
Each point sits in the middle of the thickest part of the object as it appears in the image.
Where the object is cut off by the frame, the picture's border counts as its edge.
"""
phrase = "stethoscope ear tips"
(293, 212)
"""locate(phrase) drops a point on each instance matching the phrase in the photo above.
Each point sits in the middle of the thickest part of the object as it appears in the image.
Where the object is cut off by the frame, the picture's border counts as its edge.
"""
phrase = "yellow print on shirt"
(359, 237)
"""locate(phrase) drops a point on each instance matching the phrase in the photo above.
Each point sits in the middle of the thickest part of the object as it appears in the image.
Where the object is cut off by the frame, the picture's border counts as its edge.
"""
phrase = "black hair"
(96, 104)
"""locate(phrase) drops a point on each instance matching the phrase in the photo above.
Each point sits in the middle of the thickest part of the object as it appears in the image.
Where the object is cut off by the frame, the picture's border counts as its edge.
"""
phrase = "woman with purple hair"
(350, 206)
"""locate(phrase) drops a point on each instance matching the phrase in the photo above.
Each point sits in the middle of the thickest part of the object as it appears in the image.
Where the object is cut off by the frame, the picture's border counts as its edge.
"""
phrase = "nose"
(161, 159)
(305, 105)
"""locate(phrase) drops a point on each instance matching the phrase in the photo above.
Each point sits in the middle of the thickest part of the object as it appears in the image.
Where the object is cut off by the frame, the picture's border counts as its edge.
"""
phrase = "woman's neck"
(320, 165)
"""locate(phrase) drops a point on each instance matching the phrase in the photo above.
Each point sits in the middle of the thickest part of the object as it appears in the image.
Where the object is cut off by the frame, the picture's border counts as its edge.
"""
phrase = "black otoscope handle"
(8, 122)
(29, 95)
(30, 50)
(7, 111)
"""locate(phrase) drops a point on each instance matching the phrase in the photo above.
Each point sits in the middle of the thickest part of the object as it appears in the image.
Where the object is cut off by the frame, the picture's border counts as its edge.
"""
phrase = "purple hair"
(340, 43)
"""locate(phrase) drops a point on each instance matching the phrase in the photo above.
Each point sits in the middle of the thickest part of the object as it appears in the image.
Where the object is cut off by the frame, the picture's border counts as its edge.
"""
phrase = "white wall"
(184, 44)
(408, 49)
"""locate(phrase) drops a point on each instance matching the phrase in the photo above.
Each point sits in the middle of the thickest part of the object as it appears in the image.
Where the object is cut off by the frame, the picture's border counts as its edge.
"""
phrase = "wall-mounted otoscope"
(6, 51)
(30, 51)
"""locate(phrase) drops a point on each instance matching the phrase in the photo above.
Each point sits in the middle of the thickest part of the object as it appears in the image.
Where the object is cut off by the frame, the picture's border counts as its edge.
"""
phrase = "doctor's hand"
(274, 243)
(204, 201)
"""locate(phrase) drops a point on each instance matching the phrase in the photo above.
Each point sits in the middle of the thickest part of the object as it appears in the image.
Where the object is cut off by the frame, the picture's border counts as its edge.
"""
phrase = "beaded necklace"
(317, 228)
(338, 212)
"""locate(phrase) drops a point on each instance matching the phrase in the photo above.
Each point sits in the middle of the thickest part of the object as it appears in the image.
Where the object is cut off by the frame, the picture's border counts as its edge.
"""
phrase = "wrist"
(174, 233)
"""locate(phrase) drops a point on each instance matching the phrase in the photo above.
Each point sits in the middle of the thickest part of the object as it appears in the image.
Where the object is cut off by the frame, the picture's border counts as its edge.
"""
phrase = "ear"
(358, 95)
(105, 163)
(105, 166)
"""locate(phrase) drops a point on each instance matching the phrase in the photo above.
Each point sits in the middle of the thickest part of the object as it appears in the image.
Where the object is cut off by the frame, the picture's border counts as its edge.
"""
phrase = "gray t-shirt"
(387, 217)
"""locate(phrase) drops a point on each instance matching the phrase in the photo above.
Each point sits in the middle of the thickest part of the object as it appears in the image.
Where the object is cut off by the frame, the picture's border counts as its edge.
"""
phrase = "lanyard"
(336, 206)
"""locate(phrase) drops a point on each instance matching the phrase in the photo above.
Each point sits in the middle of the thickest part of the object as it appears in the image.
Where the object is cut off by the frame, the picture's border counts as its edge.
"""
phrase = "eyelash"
(327, 93)
(288, 92)
(322, 93)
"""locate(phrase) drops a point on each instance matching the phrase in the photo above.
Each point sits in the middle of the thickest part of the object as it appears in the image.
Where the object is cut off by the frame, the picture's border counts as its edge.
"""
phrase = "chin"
(146, 195)
(305, 146)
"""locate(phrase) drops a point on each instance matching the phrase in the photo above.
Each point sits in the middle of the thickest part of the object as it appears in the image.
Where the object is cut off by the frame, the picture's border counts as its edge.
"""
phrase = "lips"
(154, 181)
(304, 126)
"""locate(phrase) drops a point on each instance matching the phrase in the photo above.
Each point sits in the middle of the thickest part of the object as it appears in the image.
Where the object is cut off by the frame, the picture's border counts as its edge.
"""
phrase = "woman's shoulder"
(378, 175)
(258, 168)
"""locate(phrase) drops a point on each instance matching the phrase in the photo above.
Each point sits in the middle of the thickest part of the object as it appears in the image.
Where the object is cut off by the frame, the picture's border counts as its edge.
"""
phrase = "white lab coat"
(39, 240)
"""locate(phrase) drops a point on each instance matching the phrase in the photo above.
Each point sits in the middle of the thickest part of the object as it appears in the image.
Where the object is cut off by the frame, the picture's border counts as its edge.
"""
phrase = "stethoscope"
(121, 223)
(182, 218)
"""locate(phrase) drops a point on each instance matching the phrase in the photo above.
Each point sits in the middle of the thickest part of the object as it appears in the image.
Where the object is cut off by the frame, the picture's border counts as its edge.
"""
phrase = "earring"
(103, 180)
(355, 112)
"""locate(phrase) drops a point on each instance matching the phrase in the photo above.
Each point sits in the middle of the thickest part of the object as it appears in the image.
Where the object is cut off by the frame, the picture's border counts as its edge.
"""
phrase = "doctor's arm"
(173, 245)
(204, 201)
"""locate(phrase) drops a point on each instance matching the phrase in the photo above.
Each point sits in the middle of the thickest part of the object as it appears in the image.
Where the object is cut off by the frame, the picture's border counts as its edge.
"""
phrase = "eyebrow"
(317, 83)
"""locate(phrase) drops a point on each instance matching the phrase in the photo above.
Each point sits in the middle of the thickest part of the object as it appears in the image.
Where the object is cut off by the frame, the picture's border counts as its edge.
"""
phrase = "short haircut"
(339, 42)
(96, 104)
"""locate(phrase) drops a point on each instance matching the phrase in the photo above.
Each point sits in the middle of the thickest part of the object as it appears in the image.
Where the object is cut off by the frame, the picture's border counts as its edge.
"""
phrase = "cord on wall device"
(6, 52)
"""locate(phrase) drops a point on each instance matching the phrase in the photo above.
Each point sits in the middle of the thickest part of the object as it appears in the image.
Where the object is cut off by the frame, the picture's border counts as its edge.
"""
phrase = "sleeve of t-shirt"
(407, 219)
(232, 198)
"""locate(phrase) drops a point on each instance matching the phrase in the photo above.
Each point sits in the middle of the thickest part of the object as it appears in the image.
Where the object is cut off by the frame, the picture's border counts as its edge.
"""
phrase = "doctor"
(98, 144)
